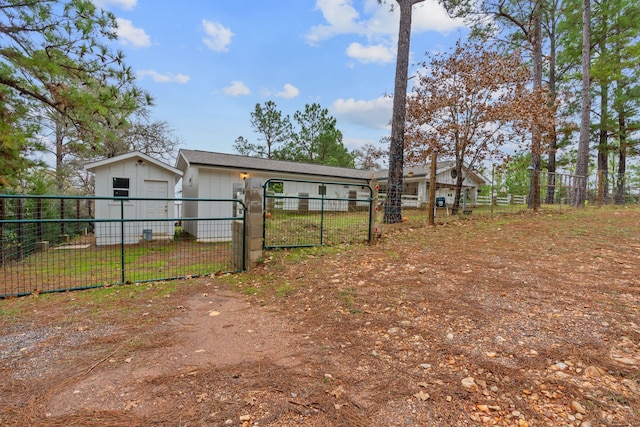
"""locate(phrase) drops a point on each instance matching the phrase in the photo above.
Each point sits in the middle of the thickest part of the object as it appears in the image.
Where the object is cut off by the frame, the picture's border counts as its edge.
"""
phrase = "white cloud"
(372, 53)
(431, 16)
(290, 91)
(341, 18)
(375, 113)
(356, 143)
(377, 21)
(218, 37)
(122, 4)
(128, 34)
(237, 88)
(163, 78)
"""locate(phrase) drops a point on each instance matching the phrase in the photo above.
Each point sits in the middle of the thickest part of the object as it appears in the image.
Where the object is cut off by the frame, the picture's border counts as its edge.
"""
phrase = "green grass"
(298, 255)
(286, 289)
(312, 228)
(347, 296)
(58, 269)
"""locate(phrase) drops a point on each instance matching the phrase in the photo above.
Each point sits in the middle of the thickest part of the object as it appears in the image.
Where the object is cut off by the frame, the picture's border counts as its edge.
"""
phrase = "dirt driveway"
(517, 321)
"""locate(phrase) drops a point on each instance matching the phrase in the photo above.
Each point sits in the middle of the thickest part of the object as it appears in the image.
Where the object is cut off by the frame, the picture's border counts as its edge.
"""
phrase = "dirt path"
(213, 328)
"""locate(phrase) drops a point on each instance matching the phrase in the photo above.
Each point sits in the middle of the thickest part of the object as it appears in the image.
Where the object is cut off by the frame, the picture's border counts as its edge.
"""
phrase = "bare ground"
(517, 321)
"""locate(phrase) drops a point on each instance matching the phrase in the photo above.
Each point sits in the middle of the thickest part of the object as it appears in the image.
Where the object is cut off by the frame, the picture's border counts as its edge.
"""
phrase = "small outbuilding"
(134, 175)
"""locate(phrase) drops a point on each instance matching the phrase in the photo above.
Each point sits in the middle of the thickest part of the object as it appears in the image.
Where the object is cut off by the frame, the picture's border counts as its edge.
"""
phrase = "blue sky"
(208, 62)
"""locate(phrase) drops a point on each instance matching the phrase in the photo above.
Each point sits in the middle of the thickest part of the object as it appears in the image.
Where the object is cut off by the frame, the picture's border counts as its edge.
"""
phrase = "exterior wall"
(190, 208)
(216, 184)
(416, 188)
(447, 185)
(296, 190)
(145, 180)
(209, 183)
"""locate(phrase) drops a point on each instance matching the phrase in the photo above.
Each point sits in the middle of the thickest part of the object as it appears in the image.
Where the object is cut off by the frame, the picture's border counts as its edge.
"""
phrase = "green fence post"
(2, 244)
(122, 240)
(324, 192)
(373, 203)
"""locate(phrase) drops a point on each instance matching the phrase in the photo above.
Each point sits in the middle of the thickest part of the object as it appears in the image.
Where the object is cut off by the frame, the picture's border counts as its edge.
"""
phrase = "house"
(133, 175)
(218, 175)
(416, 183)
(210, 175)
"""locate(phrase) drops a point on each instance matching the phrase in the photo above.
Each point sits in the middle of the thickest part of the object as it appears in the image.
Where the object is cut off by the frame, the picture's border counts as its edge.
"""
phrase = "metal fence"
(58, 243)
(555, 192)
(299, 213)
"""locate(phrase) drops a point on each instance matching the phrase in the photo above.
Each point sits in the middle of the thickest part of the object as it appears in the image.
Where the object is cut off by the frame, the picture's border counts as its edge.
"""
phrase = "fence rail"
(56, 243)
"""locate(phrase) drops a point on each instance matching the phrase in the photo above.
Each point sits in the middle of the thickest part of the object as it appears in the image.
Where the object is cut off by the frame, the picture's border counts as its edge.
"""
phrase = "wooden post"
(432, 187)
(62, 217)
(600, 188)
(373, 210)
(77, 226)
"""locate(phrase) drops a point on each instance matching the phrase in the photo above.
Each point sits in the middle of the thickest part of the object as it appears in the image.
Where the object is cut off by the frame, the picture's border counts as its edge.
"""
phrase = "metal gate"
(61, 243)
(300, 213)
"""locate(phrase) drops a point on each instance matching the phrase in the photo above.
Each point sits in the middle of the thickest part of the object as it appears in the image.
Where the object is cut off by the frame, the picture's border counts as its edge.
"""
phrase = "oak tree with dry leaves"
(468, 104)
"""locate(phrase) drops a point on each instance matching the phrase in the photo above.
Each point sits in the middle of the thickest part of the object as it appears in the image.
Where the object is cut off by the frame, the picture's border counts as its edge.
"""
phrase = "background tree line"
(311, 137)
(578, 98)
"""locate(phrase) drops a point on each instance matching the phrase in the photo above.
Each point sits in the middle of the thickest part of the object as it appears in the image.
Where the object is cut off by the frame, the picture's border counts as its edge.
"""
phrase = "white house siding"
(447, 186)
(294, 192)
(190, 208)
(215, 184)
(202, 182)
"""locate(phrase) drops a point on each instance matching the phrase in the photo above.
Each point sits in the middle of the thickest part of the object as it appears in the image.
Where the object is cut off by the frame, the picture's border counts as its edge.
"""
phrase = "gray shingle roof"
(234, 161)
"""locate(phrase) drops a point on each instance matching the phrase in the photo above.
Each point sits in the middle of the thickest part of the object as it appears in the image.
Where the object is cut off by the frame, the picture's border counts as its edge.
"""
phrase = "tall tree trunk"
(393, 206)
(603, 140)
(536, 134)
(582, 166)
(60, 174)
(553, 92)
(459, 179)
(622, 158)
(603, 132)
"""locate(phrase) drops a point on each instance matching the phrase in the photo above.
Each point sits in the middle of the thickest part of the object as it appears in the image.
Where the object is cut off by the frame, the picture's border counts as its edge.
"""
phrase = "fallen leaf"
(337, 392)
(421, 395)
(131, 404)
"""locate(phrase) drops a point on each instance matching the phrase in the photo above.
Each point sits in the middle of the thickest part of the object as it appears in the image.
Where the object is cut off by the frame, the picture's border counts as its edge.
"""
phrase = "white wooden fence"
(509, 199)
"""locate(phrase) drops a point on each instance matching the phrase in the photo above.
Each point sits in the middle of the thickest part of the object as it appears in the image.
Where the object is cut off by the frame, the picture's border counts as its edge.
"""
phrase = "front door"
(156, 209)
